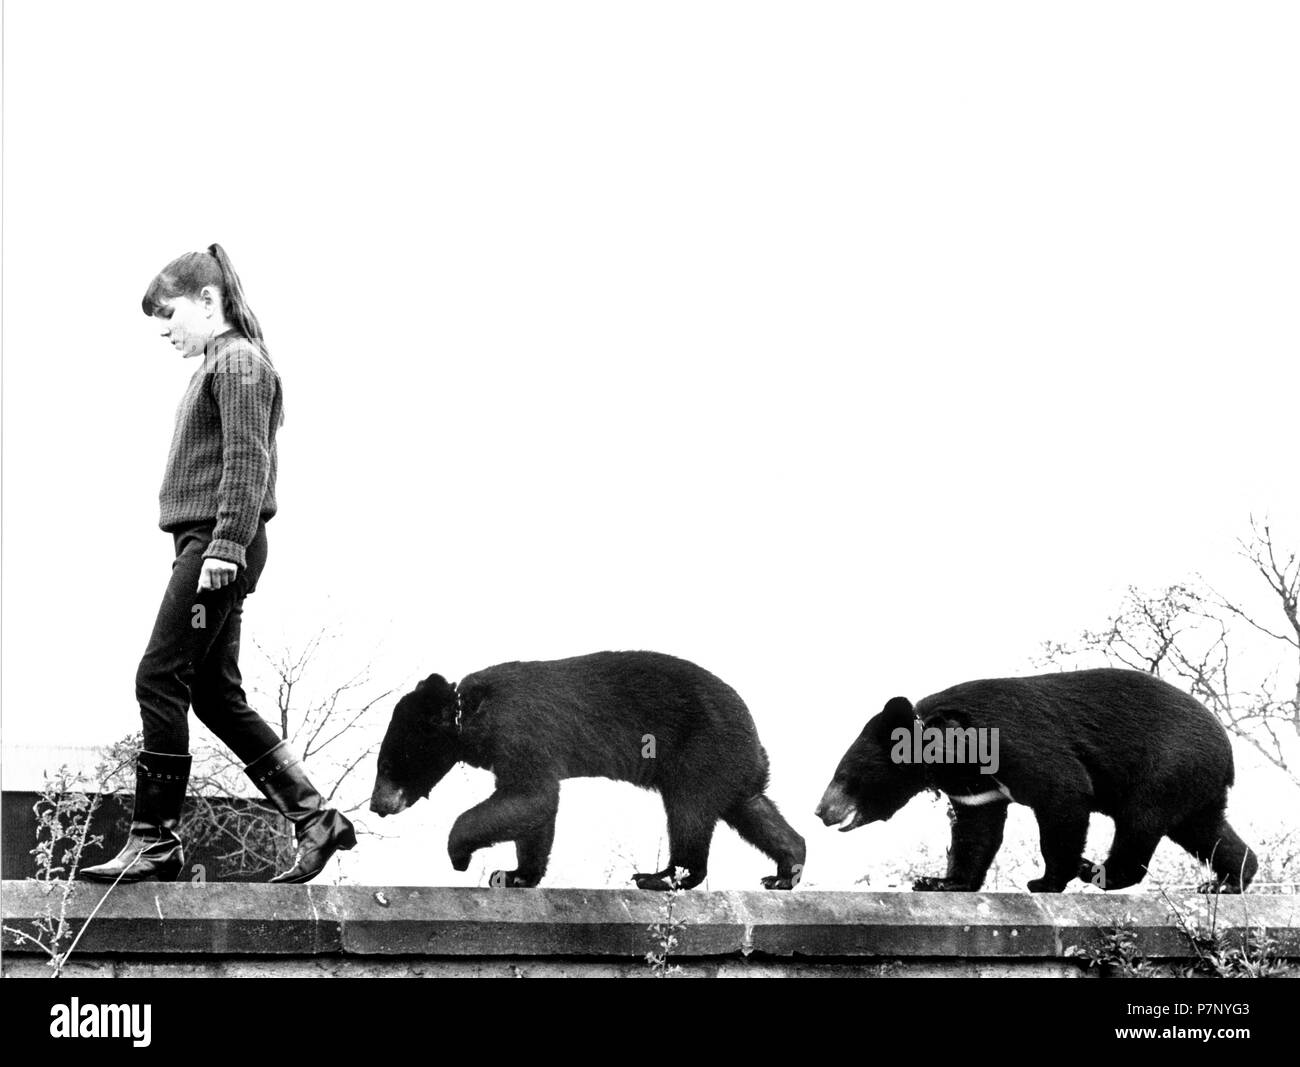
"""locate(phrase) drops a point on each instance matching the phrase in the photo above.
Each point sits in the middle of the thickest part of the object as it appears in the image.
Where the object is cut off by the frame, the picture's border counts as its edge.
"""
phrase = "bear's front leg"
(532, 853)
(976, 838)
(507, 815)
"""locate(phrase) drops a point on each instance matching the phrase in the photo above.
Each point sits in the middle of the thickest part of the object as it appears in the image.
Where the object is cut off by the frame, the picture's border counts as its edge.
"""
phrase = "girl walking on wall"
(217, 496)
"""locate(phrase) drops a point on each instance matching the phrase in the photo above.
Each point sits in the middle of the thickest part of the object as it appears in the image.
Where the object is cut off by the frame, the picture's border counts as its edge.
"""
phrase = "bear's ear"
(436, 699)
(898, 712)
(899, 709)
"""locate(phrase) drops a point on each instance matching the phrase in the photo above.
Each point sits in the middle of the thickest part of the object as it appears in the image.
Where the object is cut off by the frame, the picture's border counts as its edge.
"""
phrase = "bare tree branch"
(1191, 633)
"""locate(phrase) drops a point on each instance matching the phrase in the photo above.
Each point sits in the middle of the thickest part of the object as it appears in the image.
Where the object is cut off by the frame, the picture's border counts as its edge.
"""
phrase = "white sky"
(847, 350)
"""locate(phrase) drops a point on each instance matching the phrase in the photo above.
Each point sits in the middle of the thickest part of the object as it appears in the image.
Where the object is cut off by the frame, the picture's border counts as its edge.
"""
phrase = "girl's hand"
(216, 573)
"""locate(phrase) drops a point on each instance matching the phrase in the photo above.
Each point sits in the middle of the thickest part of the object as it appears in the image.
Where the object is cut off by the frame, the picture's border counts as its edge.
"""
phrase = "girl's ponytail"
(238, 313)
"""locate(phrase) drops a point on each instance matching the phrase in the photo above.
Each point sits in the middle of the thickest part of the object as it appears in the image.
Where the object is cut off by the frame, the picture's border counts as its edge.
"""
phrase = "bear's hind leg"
(1130, 854)
(759, 822)
(1209, 838)
(689, 835)
(1062, 833)
(507, 815)
(976, 838)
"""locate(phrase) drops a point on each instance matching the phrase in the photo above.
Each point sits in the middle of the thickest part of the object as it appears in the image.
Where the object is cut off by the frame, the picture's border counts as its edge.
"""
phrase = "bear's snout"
(837, 807)
(387, 799)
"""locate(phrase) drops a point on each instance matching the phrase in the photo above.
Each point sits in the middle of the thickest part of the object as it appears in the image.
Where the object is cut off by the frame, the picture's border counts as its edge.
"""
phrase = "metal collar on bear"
(965, 800)
(460, 707)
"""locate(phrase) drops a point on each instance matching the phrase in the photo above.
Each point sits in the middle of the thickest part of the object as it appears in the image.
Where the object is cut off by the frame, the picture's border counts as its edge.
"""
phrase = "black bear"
(641, 717)
(1119, 742)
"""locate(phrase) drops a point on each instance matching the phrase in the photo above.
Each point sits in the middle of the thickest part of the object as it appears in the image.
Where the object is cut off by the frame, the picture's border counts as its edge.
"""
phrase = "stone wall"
(233, 930)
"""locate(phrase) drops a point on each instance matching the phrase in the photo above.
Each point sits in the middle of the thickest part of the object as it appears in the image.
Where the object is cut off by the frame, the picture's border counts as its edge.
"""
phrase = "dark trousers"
(193, 655)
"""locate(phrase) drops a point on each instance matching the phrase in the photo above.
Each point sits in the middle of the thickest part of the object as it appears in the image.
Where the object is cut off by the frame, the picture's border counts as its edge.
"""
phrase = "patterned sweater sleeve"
(245, 387)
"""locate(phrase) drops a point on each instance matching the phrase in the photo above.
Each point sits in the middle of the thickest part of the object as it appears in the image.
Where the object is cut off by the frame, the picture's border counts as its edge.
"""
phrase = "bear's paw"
(510, 880)
(784, 881)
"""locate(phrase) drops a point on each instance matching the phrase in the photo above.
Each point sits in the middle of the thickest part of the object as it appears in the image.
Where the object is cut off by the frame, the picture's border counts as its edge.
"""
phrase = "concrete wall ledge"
(284, 928)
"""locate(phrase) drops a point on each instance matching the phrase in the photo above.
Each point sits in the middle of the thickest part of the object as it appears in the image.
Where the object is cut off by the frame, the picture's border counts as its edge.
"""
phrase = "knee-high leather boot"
(320, 831)
(152, 851)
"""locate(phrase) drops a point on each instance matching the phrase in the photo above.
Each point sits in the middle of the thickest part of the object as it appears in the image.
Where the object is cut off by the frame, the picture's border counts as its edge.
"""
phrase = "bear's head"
(868, 784)
(421, 745)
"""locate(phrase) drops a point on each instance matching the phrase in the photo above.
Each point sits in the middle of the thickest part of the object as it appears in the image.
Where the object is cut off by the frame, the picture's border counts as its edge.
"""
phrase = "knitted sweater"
(222, 462)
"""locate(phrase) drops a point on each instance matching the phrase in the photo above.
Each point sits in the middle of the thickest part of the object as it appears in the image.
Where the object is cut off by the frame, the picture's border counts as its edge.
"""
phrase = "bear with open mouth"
(1119, 742)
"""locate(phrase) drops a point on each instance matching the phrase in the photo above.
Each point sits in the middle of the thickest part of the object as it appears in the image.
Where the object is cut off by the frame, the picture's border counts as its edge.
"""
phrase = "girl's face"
(190, 322)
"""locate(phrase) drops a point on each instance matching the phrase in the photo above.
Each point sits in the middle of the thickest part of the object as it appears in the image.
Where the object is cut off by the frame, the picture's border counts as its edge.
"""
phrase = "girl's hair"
(188, 274)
